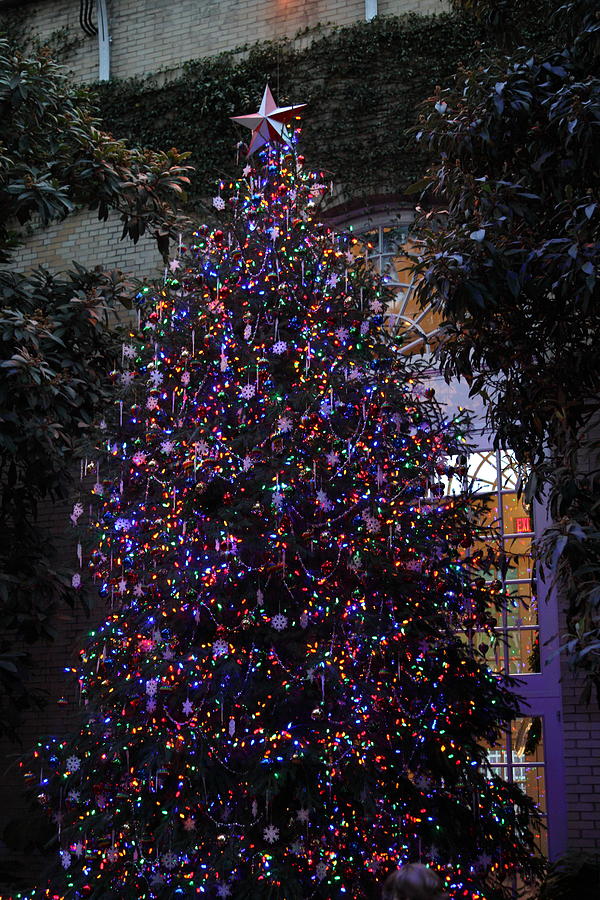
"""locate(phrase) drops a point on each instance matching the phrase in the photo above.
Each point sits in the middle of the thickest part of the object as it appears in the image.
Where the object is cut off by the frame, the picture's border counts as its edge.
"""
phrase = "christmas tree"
(286, 699)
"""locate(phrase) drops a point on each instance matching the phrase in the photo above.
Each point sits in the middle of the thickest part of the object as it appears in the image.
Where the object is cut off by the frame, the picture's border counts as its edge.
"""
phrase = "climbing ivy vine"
(362, 83)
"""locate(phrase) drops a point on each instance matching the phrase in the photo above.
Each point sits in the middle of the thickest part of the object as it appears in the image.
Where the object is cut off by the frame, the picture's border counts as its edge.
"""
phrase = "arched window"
(525, 642)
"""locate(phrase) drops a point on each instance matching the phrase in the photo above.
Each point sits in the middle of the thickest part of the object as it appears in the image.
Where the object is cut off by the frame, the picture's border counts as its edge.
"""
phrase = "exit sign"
(523, 525)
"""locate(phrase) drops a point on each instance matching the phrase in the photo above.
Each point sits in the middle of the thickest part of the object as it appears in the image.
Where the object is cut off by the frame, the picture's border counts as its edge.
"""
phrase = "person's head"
(413, 882)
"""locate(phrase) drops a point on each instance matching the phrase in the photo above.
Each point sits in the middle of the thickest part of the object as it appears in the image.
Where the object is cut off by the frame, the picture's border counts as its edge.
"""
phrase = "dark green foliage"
(514, 266)
(55, 347)
(573, 875)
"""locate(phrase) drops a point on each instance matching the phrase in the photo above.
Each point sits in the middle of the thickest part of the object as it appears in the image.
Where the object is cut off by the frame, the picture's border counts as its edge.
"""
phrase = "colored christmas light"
(286, 699)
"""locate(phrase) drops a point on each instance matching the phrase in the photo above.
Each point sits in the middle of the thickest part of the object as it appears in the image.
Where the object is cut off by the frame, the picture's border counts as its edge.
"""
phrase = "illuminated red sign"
(523, 525)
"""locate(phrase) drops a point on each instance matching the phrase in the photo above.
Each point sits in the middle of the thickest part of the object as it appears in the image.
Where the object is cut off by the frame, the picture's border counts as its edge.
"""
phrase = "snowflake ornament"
(76, 580)
(247, 332)
(376, 306)
(65, 859)
(285, 424)
(279, 347)
(151, 705)
(326, 409)
(169, 861)
(174, 264)
(128, 351)
(188, 708)
(218, 203)
(279, 622)
(121, 586)
(201, 448)
(98, 489)
(220, 647)
(223, 890)
(278, 500)
(152, 403)
(127, 378)
(152, 687)
(247, 392)
(74, 796)
(324, 501)
(185, 378)
(303, 815)
(121, 524)
(297, 848)
(274, 233)
(73, 763)
(138, 591)
(78, 849)
(246, 463)
(189, 824)
(342, 335)
(167, 447)
(271, 833)
(321, 871)
(139, 458)
(333, 458)
(156, 378)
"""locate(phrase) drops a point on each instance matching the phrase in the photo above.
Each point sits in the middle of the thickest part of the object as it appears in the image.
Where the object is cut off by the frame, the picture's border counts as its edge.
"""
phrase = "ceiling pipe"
(370, 10)
(103, 41)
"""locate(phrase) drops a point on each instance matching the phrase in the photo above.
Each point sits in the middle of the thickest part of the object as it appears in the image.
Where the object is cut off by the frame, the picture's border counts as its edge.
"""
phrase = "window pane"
(520, 563)
(523, 651)
(527, 740)
(516, 515)
(523, 609)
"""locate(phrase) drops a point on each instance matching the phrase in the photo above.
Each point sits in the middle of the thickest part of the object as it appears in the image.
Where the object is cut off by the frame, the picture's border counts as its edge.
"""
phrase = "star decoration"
(268, 124)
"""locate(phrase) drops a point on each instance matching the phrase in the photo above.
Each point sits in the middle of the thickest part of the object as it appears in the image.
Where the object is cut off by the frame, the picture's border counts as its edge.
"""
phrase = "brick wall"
(581, 728)
(84, 238)
(154, 34)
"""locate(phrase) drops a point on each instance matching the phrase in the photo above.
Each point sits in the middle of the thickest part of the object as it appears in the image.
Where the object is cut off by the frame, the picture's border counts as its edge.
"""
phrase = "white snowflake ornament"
(152, 403)
(247, 392)
(127, 378)
(167, 447)
(279, 347)
(73, 763)
(218, 203)
(279, 622)
(271, 833)
(220, 647)
(285, 424)
(278, 500)
(128, 351)
(156, 378)
(188, 708)
(152, 687)
(169, 861)
(74, 796)
(185, 378)
(246, 463)
(376, 306)
(77, 512)
(342, 335)
(65, 859)
(76, 580)
(324, 501)
(223, 890)
(333, 458)
(139, 458)
(151, 705)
